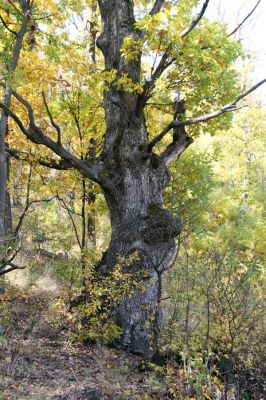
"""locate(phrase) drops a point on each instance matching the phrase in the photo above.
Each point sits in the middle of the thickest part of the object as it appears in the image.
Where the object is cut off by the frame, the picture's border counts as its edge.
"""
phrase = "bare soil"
(39, 362)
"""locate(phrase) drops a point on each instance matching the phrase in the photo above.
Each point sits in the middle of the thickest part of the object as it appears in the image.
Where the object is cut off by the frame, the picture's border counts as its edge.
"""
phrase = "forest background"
(57, 222)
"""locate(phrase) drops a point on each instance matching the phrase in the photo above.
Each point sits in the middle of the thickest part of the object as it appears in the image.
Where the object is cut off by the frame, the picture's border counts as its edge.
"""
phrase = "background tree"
(214, 291)
(9, 17)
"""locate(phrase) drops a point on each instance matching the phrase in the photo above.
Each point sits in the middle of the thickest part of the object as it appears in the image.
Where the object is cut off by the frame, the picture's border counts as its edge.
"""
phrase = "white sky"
(253, 32)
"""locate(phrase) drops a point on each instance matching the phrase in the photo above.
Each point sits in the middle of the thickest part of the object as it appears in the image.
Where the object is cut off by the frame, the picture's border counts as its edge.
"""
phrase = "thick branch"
(177, 148)
(59, 165)
(204, 118)
(157, 7)
(244, 20)
(90, 169)
(10, 267)
(196, 20)
(181, 140)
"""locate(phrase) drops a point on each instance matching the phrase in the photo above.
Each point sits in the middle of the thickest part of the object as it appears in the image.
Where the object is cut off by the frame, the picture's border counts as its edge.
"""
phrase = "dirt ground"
(39, 362)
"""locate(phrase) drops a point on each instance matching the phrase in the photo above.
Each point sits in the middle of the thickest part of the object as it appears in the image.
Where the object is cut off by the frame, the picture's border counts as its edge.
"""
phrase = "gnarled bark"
(141, 227)
(133, 181)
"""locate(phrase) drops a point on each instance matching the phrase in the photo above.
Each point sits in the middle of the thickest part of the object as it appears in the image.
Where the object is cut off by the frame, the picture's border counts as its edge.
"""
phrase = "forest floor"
(39, 362)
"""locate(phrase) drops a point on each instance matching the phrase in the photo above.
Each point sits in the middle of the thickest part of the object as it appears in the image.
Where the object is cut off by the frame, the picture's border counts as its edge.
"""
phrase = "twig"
(157, 7)
(57, 127)
(7, 27)
(196, 20)
(244, 20)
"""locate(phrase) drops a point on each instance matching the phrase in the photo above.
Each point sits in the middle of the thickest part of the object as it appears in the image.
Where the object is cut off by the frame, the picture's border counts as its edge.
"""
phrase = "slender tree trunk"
(91, 223)
(3, 165)
(246, 180)
(83, 240)
(4, 118)
(91, 198)
(8, 214)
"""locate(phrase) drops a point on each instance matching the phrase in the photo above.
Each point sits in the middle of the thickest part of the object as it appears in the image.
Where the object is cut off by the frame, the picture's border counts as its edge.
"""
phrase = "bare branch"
(27, 206)
(9, 257)
(13, 5)
(157, 7)
(66, 207)
(44, 17)
(10, 267)
(6, 263)
(6, 26)
(162, 66)
(4, 241)
(59, 165)
(27, 203)
(244, 20)
(57, 127)
(62, 201)
(196, 20)
(204, 118)
(17, 120)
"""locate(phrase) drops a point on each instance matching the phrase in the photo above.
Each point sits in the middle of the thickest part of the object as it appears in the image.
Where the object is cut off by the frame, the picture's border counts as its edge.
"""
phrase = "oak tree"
(149, 55)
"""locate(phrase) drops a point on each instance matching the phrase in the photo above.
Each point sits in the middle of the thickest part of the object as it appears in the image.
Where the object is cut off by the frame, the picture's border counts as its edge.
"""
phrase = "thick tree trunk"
(143, 229)
(133, 184)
